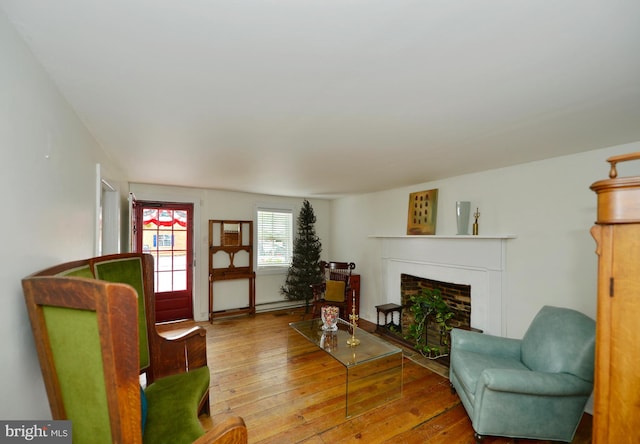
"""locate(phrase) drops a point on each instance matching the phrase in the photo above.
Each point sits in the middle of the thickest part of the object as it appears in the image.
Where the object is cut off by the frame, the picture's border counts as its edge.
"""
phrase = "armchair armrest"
(534, 383)
(177, 352)
(177, 335)
(230, 431)
(481, 343)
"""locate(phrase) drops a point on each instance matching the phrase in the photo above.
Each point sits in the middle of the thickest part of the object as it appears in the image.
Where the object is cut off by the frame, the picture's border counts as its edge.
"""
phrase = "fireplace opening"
(434, 342)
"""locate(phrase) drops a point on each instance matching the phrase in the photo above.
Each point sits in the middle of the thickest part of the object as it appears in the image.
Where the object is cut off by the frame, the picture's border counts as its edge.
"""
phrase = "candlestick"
(353, 317)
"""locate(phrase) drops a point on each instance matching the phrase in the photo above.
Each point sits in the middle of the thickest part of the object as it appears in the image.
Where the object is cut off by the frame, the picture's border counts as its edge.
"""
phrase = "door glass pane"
(165, 236)
(179, 280)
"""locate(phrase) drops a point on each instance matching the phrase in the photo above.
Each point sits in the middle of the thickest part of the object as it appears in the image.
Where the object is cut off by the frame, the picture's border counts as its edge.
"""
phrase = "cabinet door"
(625, 346)
(617, 407)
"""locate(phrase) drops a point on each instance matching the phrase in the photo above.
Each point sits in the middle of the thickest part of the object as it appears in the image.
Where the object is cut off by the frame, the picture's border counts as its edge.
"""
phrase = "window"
(275, 238)
(163, 240)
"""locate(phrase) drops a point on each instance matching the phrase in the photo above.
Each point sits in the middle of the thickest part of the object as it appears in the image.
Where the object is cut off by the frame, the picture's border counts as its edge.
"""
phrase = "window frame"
(273, 208)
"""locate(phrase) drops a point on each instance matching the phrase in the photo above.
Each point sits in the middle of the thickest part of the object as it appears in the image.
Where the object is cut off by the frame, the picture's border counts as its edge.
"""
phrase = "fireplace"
(456, 296)
(475, 261)
(430, 309)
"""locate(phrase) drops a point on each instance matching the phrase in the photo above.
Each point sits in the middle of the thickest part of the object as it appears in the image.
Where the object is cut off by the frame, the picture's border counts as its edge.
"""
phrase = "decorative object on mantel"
(423, 206)
(463, 209)
(475, 224)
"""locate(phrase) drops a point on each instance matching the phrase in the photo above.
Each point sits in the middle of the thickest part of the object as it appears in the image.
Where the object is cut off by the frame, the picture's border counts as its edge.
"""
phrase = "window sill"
(265, 271)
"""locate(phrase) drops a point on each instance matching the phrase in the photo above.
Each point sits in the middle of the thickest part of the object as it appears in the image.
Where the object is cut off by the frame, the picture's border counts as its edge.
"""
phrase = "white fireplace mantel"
(478, 261)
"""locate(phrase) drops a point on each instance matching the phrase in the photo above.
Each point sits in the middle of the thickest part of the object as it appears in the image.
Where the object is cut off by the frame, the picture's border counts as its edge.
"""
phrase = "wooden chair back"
(159, 355)
(337, 271)
(86, 339)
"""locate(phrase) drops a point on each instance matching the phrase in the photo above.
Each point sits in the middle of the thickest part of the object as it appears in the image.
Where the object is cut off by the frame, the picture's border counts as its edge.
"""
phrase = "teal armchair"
(536, 387)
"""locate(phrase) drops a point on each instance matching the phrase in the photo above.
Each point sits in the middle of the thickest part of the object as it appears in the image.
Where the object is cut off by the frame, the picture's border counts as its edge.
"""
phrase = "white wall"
(547, 204)
(48, 177)
(216, 204)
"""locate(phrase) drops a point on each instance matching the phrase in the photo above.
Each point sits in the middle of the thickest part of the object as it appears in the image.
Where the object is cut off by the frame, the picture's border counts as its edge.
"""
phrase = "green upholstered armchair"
(536, 387)
(177, 375)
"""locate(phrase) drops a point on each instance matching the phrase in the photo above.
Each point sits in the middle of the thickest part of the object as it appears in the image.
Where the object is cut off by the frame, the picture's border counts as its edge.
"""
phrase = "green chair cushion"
(129, 271)
(174, 400)
(78, 361)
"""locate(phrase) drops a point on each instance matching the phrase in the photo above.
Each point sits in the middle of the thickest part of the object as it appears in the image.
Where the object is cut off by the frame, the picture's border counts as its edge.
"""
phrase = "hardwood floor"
(302, 400)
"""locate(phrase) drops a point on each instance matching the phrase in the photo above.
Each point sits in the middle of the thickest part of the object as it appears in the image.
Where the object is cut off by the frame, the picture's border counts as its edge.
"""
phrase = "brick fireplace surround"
(456, 296)
(478, 261)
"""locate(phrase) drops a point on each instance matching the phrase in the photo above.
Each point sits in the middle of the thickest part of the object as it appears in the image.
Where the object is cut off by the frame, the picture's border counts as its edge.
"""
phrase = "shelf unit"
(231, 240)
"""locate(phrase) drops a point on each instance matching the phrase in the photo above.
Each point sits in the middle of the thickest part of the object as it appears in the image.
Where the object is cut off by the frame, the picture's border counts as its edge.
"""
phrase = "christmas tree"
(305, 264)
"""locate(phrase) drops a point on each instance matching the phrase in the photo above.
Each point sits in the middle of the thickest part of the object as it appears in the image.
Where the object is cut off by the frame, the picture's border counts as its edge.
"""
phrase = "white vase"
(463, 210)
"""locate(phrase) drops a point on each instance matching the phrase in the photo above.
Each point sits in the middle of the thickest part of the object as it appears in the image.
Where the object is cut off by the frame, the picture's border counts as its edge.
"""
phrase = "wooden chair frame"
(116, 311)
(332, 271)
(169, 353)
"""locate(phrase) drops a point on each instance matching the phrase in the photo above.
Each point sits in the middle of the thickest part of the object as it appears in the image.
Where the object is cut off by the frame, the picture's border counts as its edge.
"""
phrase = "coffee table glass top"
(335, 342)
(373, 368)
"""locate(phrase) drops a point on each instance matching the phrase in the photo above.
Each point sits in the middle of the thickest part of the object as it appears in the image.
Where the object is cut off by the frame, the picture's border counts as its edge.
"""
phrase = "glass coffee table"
(373, 367)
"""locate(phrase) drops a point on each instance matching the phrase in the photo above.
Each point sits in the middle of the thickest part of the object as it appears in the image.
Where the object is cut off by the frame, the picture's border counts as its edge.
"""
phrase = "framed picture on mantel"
(423, 209)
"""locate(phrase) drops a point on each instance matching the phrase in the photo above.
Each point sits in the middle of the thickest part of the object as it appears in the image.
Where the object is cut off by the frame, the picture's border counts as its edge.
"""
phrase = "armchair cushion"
(334, 291)
(174, 400)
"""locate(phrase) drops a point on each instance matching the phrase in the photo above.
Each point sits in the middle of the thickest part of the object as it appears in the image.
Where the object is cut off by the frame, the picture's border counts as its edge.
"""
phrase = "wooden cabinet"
(617, 368)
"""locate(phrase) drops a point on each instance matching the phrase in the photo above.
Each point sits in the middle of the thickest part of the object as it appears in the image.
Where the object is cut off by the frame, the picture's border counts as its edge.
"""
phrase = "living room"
(49, 173)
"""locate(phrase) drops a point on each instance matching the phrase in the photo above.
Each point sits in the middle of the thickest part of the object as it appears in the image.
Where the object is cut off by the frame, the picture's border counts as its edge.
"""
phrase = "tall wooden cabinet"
(617, 368)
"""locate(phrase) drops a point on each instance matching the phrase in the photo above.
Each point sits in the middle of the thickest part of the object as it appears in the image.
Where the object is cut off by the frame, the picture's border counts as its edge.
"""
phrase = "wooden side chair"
(334, 289)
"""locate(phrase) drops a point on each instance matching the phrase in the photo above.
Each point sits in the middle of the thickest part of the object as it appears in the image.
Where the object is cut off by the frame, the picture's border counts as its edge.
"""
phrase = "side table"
(387, 309)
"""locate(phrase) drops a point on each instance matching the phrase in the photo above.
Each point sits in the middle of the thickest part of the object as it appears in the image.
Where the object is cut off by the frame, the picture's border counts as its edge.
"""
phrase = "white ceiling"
(332, 97)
